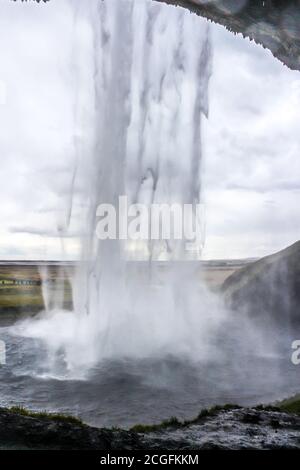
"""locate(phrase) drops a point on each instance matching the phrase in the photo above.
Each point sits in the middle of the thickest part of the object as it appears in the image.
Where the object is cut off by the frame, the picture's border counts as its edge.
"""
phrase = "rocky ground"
(229, 427)
(232, 430)
(23, 430)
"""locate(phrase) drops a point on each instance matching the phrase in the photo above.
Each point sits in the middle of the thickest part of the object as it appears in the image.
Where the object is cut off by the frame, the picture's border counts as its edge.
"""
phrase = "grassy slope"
(290, 405)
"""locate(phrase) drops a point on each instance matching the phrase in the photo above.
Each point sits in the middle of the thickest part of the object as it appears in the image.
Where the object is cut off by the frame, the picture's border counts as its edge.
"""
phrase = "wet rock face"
(275, 24)
(232, 429)
(235, 428)
(269, 290)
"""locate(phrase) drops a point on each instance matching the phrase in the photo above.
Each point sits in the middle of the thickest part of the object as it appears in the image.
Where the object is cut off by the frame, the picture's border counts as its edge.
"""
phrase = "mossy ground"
(44, 415)
(290, 405)
(176, 423)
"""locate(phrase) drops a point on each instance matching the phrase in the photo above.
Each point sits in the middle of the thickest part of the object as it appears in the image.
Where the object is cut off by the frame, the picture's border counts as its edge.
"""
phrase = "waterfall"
(148, 75)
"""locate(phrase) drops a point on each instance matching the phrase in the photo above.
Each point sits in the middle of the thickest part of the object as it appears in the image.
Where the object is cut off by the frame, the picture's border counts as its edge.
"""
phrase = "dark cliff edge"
(274, 24)
(269, 289)
(20, 429)
(229, 427)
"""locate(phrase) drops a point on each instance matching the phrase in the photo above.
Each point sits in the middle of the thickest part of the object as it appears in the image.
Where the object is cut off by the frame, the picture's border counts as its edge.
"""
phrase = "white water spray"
(147, 93)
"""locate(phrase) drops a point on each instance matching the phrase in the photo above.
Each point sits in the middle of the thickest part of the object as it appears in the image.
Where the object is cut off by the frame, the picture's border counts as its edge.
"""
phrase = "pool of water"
(125, 392)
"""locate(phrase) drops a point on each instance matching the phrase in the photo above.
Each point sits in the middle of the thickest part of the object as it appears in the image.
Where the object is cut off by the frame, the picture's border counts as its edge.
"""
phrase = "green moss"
(175, 423)
(207, 412)
(172, 422)
(290, 405)
(44, 415)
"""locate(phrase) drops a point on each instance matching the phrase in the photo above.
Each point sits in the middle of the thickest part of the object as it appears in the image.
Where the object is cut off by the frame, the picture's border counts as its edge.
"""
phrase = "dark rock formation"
(234, 429)
(29, 431)
(228, 428)
(275, 24)
(269, 289)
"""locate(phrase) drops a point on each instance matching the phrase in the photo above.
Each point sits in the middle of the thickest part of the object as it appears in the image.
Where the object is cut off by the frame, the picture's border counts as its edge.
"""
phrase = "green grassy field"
(17, 295)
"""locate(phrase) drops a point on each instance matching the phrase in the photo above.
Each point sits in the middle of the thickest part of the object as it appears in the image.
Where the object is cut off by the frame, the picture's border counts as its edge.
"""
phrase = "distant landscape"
(21, 281)
(21, 286)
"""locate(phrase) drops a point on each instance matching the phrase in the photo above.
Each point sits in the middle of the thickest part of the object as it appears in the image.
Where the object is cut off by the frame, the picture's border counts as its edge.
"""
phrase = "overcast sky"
(251, 139)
